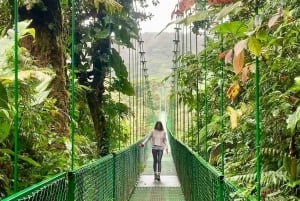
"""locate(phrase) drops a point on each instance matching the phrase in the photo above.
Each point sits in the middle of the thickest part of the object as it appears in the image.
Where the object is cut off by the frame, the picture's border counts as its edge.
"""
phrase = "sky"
(162, 16)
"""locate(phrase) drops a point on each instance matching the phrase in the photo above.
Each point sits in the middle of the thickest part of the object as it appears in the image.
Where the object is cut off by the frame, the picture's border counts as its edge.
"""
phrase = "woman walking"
(159, 143)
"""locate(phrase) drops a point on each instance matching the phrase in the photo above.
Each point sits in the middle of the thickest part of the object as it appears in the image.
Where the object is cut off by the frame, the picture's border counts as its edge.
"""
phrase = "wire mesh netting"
(94, 181)
(206, 181)
(127, 164)
(112, 177)
(51, 189)
(199, 180)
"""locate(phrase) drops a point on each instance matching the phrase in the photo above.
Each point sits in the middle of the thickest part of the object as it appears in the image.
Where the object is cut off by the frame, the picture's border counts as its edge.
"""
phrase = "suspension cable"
(129, 97)
(205, 88)
(16, 97)
(222, 107)
(72, 85)
(257, 116)
(197, 100)
(119, 111)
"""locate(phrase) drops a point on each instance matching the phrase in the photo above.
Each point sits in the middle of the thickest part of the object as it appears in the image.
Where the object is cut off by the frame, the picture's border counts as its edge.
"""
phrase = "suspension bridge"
(189, 172)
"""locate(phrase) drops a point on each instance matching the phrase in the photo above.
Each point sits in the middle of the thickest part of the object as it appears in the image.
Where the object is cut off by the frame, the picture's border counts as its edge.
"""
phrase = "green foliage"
(236, 28)
(274, 43)
(293, 120)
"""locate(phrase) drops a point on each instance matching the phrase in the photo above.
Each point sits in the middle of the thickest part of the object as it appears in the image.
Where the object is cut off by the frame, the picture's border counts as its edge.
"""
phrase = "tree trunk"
(95, 97)
(49, 51)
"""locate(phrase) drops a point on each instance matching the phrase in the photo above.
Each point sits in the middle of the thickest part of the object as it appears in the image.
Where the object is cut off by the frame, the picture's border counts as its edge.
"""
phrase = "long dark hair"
(159, 126)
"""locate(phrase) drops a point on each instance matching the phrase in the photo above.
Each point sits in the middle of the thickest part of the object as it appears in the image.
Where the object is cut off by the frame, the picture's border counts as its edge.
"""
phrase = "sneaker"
(158, 177)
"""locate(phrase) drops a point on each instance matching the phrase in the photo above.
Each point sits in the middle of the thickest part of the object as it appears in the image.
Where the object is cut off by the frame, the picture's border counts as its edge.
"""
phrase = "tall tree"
(49, 51)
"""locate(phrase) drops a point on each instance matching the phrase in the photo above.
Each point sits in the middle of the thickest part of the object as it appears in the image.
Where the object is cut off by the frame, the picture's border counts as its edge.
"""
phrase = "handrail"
(36, 188)
(199, 179)
(112, 177)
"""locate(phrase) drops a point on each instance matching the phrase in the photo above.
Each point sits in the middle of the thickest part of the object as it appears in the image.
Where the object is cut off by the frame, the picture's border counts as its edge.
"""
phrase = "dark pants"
(157, 155)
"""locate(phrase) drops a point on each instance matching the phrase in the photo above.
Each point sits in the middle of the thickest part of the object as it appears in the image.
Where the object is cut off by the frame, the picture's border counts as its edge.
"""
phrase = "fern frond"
(270, 179)
(111, 6)
(268, 151)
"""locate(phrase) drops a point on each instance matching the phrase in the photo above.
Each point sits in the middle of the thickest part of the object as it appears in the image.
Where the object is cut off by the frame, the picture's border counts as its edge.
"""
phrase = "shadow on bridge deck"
(168, 189)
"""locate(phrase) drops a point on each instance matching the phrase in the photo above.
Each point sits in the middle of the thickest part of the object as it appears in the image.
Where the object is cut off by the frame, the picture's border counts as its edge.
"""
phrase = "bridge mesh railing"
(94, 181)
(110, 178)
(51, 189)
(199, 180)
(127, 164)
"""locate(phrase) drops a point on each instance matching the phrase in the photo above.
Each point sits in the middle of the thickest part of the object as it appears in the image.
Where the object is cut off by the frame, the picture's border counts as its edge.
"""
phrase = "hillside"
(159, 53)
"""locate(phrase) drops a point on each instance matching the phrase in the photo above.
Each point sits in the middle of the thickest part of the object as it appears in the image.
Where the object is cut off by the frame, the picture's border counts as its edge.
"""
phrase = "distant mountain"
(158, 52)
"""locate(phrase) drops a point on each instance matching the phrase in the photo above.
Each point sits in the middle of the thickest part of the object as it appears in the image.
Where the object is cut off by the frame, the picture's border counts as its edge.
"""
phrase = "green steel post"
(205, 89)
(114, 176)
(198, 117)
(197, 100)
(129, 97)
(72, 84)
(141, 66)
(119, 115)
(222, 125)
(193, 183)
(16, 97)
(174, 112)
(222, 107)
(71, 186)
(136, 92)
(221, 188)
(133, 97)
(257, 141)
(257, 119)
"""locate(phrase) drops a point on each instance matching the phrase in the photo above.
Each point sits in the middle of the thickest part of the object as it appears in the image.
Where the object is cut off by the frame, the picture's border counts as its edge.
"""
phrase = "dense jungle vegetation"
(234, 41)
(102, 122)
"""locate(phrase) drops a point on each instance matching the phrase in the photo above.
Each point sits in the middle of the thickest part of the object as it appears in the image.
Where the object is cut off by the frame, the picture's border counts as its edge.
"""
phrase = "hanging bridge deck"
(168, 189)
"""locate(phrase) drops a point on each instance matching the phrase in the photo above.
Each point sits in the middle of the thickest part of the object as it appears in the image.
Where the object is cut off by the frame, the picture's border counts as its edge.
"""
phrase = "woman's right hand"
(142, 145)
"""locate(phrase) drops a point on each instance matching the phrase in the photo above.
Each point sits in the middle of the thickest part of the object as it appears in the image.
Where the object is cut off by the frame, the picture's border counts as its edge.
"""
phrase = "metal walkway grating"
(157, 194)
(168, 189)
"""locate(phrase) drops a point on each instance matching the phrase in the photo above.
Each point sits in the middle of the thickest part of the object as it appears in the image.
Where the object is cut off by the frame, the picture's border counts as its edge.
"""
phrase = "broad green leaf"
(124, 35)
(5, 123)
(254, 46)
(111, 6)
(123, 85)
(22, 30)
(262, 35)
(117, 64)
(296, 87)
(45, 79)
(5, 44)
(31, 32)
(237, 28)
(29, 160)
(228, 9)
(200, 16)
(21, 157)
(177, 21)
(102, 34)
(3, 97)
(293, 120)
(40, 97)
(96, 4)
(127, 88)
